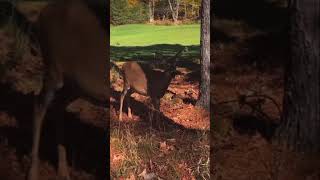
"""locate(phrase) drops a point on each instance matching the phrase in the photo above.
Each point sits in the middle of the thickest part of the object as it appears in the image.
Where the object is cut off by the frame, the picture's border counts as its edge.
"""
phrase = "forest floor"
(249, 54)
(176, 148)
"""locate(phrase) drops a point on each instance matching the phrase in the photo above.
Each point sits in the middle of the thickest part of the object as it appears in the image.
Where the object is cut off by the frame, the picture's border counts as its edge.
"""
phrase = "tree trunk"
(151, 11)
(177, 10)
(174, 11)
(300, 126)
(198, 12)
(204, 100)
(153, 6)
(192, 13)
(185, 10)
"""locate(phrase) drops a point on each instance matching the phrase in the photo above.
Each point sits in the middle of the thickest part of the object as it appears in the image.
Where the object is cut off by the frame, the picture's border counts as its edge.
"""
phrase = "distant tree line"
(140, 11)
(127, 12)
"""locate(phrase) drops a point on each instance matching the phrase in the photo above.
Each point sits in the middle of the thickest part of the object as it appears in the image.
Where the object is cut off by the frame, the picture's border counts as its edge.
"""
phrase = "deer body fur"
(74, 48)
(146, 81)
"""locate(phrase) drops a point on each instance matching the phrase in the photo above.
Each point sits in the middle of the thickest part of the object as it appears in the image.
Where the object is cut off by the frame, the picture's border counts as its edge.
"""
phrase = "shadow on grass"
(146, 53)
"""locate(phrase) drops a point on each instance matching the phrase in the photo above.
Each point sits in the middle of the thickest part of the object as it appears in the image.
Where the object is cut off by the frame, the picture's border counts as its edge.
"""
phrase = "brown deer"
(74, 44)
(146, 81)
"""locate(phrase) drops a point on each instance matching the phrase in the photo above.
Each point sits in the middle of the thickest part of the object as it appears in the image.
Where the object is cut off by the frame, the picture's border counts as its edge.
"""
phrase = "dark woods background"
(266, 89)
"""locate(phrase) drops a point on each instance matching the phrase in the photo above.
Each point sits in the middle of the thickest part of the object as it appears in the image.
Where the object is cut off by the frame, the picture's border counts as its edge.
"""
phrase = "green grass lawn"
(141, 41)
(146, 35)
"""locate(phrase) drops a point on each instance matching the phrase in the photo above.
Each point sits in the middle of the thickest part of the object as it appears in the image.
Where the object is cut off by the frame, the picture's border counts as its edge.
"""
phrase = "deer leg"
(128, 104)
(150, 115)
(40, 108)
(63, 172)
(156, 109)
(123, 94)
(129, 111)
(64, 97)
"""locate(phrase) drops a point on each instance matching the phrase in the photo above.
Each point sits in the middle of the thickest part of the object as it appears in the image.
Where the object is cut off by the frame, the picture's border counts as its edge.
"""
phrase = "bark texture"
(151, 11)
(300, 126)
(174, 10)
(204, 100)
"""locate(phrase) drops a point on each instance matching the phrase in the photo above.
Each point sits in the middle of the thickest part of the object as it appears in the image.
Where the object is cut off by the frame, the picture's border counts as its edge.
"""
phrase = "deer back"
(145, 80)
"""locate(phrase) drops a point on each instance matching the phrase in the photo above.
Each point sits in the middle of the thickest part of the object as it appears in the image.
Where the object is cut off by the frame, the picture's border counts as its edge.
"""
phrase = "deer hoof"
(130, 115)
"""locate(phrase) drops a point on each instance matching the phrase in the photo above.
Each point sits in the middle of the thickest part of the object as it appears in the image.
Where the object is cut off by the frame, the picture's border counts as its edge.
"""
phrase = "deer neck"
(168, 76)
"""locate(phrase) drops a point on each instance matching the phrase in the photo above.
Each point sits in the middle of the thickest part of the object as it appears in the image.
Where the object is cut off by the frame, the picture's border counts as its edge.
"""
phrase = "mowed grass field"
(140, 41)
(146, 35)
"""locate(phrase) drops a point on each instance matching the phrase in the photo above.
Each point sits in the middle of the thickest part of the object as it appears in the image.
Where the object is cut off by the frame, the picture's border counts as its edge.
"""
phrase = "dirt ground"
(249, 53)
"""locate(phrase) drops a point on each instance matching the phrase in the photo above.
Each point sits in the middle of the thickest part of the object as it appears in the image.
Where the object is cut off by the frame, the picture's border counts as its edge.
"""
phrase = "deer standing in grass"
(147, 82)
(73, 42)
